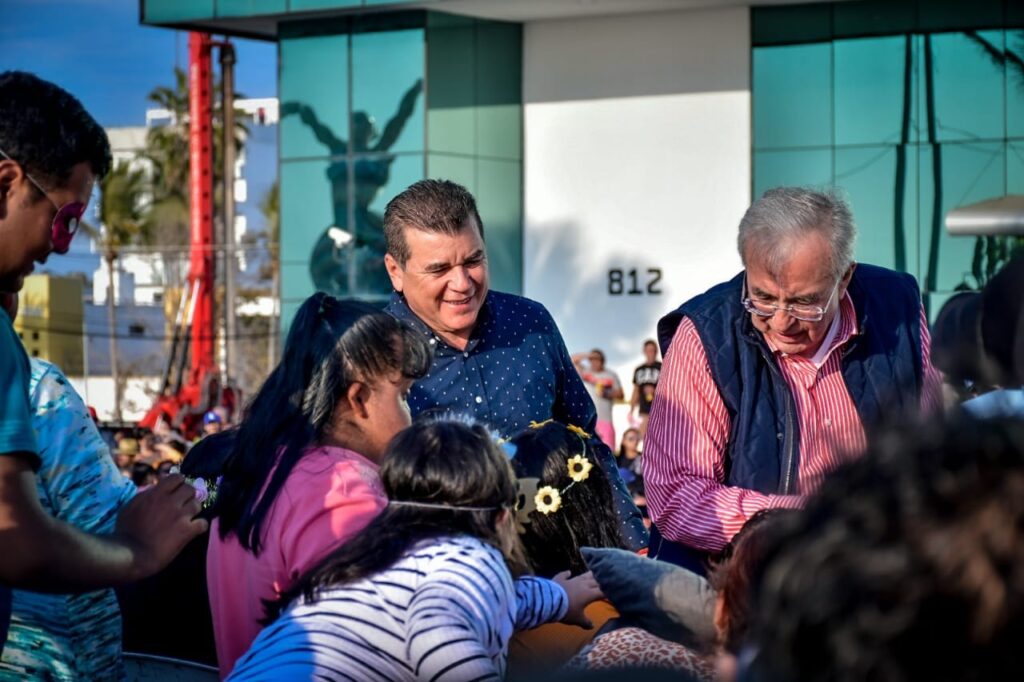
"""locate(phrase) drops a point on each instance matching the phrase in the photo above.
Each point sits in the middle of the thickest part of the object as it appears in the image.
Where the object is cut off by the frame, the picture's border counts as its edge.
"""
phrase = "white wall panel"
(637, 156)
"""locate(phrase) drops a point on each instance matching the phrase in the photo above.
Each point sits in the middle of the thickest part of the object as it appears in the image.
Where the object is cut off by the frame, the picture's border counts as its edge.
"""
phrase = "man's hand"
(582, 590)
(158, 523)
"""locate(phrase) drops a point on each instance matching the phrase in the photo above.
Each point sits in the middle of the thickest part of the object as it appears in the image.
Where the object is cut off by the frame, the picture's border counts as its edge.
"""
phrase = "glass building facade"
(370, 105)
(911, 108)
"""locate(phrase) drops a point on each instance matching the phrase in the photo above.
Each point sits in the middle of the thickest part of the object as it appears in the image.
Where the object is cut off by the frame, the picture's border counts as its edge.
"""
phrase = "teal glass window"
(159, 11)
(875, 86)
(314, 97)
(966, 74)
(794, 89)
(248, 8)
(387, 91)
(926, 113)
(363, 100)
(805, 167)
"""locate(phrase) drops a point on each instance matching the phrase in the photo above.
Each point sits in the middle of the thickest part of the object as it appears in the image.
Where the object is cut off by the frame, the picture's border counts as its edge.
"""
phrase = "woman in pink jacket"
(302, 476)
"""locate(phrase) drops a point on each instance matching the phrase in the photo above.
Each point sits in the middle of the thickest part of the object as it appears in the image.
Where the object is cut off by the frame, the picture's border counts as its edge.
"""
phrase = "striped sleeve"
(931, 391)
(539, 601)
(685, 451)
(452, 622)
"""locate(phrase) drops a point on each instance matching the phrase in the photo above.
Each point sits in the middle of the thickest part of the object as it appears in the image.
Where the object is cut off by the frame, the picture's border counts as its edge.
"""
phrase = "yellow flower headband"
(548, 499)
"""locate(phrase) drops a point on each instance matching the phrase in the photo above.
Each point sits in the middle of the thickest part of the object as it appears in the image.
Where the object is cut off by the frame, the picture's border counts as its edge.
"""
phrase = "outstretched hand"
(581, 590)
(157, 523)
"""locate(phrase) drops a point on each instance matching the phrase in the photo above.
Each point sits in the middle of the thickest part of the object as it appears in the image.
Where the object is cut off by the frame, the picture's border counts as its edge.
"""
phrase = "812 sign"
(634, 282)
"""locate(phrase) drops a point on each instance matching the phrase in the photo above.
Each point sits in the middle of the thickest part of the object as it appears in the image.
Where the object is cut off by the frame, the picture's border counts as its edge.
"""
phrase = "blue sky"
(98, 51)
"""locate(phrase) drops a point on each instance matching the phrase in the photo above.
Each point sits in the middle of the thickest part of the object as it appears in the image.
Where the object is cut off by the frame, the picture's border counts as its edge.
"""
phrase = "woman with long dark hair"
(425, 592)
(302, 475)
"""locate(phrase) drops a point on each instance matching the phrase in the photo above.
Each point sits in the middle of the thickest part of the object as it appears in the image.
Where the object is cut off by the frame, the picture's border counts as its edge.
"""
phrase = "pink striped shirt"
(688, 433)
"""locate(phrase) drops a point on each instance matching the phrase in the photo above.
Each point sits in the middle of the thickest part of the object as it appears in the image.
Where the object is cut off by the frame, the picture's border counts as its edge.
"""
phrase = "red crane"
(200, 388)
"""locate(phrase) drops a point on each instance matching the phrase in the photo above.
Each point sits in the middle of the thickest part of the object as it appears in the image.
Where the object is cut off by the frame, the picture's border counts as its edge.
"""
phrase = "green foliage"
(167, 150)
(121, 209)
(990, 255)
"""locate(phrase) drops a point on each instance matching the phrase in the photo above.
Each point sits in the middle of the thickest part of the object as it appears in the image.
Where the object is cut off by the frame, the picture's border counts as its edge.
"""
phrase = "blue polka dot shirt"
(514, 370)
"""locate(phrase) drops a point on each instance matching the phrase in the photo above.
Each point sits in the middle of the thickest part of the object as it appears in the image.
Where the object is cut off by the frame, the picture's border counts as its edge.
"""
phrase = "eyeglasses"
(807, 313)
(67, 219)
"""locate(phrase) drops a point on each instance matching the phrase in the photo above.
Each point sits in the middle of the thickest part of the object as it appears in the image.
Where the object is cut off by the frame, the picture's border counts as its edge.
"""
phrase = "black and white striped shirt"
(445, 611)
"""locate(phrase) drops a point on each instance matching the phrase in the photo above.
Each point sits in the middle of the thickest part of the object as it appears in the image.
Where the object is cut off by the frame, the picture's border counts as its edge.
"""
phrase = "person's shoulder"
(867, 273)
(44, 370)
(505, 305)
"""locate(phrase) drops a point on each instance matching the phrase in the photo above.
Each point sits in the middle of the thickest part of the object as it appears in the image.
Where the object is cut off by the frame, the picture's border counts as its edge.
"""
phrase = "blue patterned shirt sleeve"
(79, 482)
(69, 636)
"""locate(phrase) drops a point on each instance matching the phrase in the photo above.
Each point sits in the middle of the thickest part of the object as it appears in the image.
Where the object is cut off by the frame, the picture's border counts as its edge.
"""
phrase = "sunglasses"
(67, 219)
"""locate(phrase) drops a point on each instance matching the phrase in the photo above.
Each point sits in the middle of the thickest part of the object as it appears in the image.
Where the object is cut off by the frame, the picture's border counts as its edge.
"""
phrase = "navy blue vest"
(881, 366)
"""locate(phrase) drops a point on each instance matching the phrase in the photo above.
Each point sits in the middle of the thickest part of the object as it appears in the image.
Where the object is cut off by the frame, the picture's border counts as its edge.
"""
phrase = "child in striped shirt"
(426, 591)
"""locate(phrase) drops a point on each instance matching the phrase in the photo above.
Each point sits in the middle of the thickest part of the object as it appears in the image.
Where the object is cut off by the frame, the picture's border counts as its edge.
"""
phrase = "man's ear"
(9, 173)
(845, 282)
(395, 271)
(356, 397)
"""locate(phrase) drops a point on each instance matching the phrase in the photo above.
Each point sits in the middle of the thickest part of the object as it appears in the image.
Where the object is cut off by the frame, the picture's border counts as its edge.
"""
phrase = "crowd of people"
(435, 490)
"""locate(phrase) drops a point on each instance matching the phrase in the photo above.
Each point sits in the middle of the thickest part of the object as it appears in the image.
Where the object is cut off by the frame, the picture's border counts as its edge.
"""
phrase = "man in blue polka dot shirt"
(497, 357)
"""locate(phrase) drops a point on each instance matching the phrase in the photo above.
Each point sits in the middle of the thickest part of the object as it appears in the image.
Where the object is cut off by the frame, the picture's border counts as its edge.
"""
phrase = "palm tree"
(123, 217)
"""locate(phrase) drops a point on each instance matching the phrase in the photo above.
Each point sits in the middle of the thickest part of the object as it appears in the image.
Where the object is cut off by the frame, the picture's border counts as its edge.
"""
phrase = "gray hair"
(777, 221)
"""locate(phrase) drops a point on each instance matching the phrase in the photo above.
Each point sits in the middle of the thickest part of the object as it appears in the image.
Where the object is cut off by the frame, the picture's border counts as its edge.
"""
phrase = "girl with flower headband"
(302, 474)
(566, 503)
(426, 591)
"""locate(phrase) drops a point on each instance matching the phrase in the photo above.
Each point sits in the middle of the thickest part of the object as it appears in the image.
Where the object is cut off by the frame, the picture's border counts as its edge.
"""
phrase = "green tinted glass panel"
(500, 199)
(955, 15)
(883, 197)
(403, 170)
(966, 173)
(314, 96)
(451, 80)
(793, 89)
(460, 169)
(306, 215)
(965, 76)
(873, 17)
(387, 98)
(157, 11)
(812, 167)
(297, 5)
(499, 87)
(803, 23)
(1014, 45)
(875, 91)
(246, 8)
(1015, 167)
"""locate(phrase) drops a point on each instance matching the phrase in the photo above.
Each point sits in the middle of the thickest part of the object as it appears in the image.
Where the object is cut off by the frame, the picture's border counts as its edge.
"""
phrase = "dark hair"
(586, 516)
(908, 564)
(142, 473)
(448, 463)
(651, 342)
(440, 206)
(48, 131)
(739, 567)
(331, 343)
(621, 454)
(599, 353)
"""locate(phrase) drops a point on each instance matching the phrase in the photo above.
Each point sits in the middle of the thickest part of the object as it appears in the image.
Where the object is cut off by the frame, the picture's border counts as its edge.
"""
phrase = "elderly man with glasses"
(770, 379)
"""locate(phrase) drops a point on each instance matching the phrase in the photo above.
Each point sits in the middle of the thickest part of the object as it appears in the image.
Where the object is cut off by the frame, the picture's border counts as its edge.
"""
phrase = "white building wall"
(637, 156)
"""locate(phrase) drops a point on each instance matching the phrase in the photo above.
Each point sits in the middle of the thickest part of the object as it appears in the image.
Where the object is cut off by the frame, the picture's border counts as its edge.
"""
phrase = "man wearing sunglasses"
(51, 153)
(770, 379)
